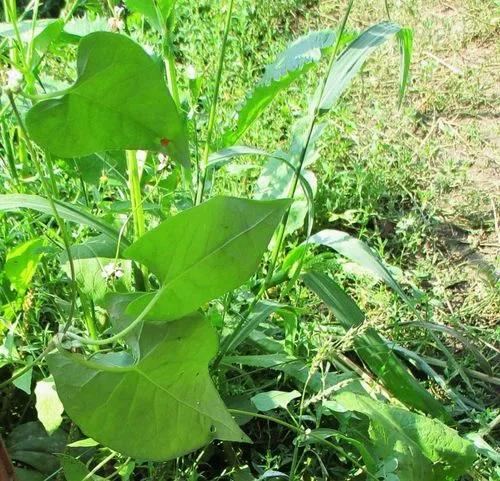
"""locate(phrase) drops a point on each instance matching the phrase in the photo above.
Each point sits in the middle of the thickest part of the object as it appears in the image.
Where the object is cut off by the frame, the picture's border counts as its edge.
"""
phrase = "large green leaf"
(297, 59)
(119, 101)
(424, 448)
(372, 349)
(203, 252)
(69, 212)
(159, 407)
(349, 63)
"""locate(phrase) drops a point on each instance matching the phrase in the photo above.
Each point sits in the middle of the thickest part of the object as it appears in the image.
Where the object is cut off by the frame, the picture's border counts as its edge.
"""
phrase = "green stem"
(50, 347)
(9, 155)
(134, 184)
(124, 332)
(312, 123)
(213, 107)
(89, 318)
(299, 430)
(49, 194)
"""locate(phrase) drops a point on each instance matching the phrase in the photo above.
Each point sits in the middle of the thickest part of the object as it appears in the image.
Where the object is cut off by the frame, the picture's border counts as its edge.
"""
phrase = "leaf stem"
(122, 333)
(213, 107)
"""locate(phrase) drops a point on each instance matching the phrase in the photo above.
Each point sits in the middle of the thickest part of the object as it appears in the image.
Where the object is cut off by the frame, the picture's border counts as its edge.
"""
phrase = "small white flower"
(13, 80)
(112, 271)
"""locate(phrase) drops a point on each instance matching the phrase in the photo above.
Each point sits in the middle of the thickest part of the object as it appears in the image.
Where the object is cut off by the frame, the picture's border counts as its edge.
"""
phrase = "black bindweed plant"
(185, 281)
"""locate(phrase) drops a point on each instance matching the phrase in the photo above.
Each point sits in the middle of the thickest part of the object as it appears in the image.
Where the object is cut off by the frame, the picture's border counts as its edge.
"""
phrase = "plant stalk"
(49, 194)
(282, 228)
(139, 221)
(312, 123)
(213, 107)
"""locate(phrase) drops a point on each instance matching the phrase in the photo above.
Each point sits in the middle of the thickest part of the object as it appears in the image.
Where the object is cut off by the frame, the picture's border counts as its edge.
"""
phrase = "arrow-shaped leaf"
(160, 407)
(120, 101)
(203, 252)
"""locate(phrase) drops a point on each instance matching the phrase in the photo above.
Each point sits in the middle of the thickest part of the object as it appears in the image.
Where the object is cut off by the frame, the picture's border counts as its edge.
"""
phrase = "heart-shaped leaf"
(159, 407)
(120, 101)
(203, 252)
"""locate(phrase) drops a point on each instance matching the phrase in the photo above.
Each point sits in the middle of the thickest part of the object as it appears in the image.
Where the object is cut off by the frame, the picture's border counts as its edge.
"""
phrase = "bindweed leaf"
(30, 444)
(75, 470)
(24, 382)
(104, 110)
(158, 407)
(203, 252)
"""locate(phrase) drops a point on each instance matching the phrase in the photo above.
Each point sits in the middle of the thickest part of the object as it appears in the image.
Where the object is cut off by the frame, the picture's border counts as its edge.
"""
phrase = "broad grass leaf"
(22, 262)
(349, 63)
(424, 448)
(43, 29)
(69, 212)
(275, 182)
(105, 110)
(203, 252)
(276, 178)
(158, 407)
(79, 27)
(372, 349)
(297, 59)
(293, 367)
(260, 313)
(267, 401)
(357, 251)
